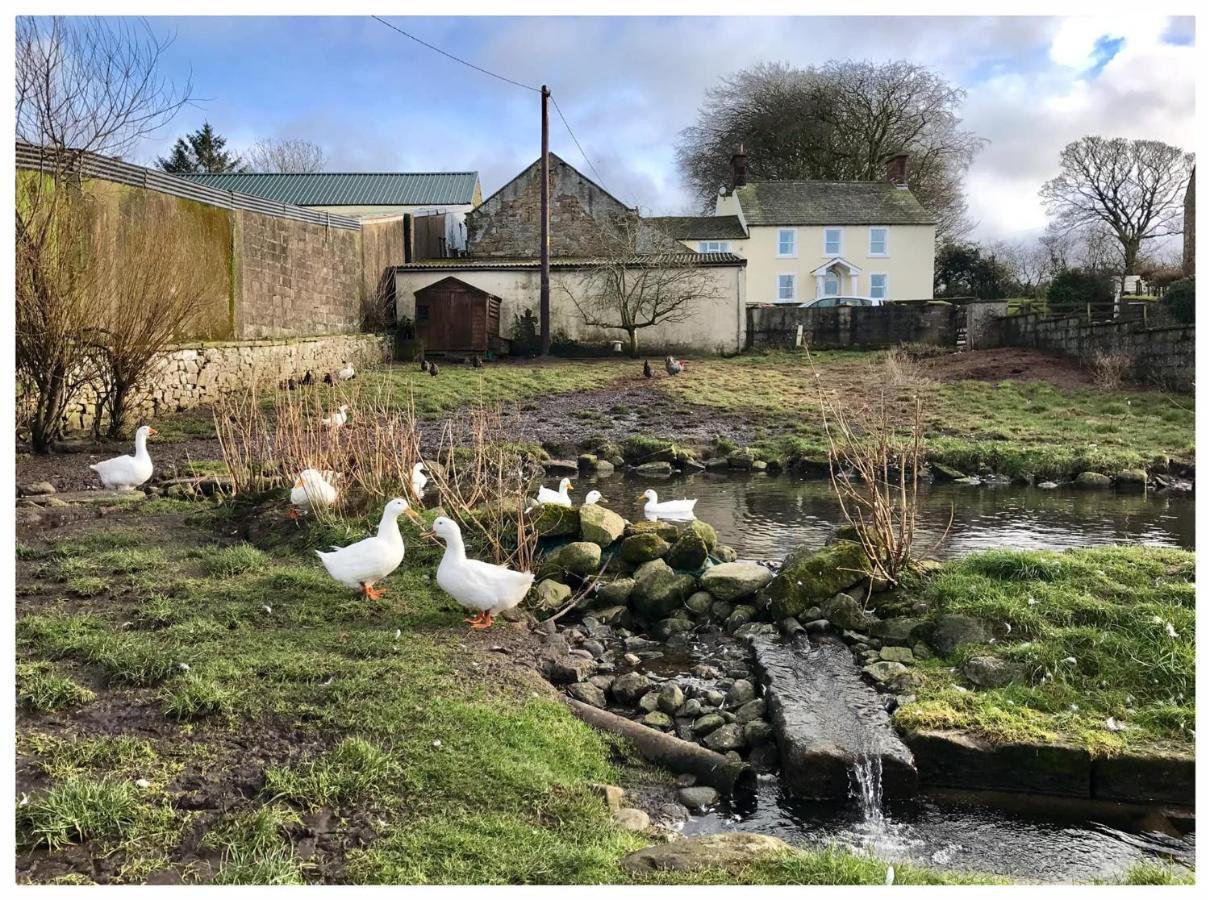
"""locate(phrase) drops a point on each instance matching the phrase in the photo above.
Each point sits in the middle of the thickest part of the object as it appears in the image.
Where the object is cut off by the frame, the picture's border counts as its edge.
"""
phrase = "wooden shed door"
(445, 319)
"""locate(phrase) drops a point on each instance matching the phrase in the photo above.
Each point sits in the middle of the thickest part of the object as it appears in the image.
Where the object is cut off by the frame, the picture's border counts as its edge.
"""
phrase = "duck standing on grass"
(337, 418)
(125, 473)
(647, 373)
(346, 372)
(372, 559)
(488, 588)
(556, 498)
(312, 490)
(419, 480)
(433, 370)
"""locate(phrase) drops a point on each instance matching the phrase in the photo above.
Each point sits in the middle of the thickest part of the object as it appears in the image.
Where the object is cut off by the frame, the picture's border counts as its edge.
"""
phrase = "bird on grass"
(433, 370)
(673, 366)
(647, 368)
(488, 588)
(424, 365)
(290, 383)
(346, 372)
(328, 379)
(308, 379)
(476, 362)
(419, 480)
(337, 418)
(312, 490)
(358, 566)
(125, 473)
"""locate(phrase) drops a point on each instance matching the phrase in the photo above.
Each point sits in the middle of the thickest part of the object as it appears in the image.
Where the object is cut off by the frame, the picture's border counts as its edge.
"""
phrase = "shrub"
(1109, 370)
(1073, 290)
(1179, 300)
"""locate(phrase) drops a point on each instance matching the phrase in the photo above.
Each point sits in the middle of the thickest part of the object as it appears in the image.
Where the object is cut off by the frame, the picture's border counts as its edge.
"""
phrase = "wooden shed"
(453, 316)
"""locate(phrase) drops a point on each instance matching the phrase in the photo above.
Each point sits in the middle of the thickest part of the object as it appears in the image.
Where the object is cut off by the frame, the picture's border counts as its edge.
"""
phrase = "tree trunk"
(47, 422)
(119, 398)
(632, 339)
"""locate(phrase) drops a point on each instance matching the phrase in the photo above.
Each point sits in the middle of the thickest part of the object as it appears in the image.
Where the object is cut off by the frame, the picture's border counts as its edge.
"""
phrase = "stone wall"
(1162, 356)
(382, 248)
(189, 376)
(851, 327)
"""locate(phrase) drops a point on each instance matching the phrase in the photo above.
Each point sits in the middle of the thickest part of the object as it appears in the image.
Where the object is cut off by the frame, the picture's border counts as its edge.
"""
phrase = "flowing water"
(1023, 836)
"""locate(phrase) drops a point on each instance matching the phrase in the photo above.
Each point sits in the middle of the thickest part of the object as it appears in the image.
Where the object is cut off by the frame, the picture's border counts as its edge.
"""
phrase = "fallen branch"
(668, 751)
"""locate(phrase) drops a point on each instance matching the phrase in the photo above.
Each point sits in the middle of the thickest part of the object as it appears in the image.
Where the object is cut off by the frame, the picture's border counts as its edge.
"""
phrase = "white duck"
(477, 585)
(359, 565)
(125, 473)
(668, 509)
(346, 372)
(338, 418)
(592, 498)
(556, 498)
(419, 480)
(312, 490)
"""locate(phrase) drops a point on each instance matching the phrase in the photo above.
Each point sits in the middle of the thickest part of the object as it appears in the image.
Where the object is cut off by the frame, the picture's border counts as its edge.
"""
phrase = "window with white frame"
(878, 241)
(831, 284)
(831, 241)
(785, 287)
(713, 246)
(878, 284)
(787, 242)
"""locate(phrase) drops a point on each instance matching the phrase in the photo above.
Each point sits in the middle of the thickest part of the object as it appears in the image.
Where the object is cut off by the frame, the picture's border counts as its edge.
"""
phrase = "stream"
(1030, 837)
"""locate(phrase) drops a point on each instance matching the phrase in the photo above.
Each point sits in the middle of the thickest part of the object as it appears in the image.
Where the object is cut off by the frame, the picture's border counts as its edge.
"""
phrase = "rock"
(808, 577)
(587, 692)
(753, 709)
(557, 521)
(561, 467)
(689, 551)
(990, 671)
(1093, 480)
(741, 459)
(650, 701)
(697, 799)
(897, 654)
(749, 629)
(579, 558)
(714, 463)
(818, 626)
(759, 465)
(1131, 478)
(728, 737)
(699, 603)
(725, 554)
(615, 616)
(757, 732)
(673, 813)
(952, 631)
(943, 472)
(721, 609)
(789, 626)
(667, 530)
(614, 593)
(35, 489)
(921, 650)
(551, 594)
(740, 616)
(671, 697)
(1047, 485)
(658, 469)
(765, 758)
(731, 850)
(743, 691)
(845, 612)
(586, 461)
(599, 525)
(657, 719)
(707, 723)
(595, 649)
(570, 669)
(641, 548)
(689, 709)
(713, 698)
(603, 467)
(735, 580)
(882, 672)
(631, 819)
(658, 590)
(628, 688)
(900, 630)
(613, 795)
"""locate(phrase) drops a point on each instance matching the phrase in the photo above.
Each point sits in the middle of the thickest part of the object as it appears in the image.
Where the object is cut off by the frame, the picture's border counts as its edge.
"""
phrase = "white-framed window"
(831, 241)
(879, 241)
(831, 284)
(787, 242)
(713, 246)
(787, 287)
(878, 286)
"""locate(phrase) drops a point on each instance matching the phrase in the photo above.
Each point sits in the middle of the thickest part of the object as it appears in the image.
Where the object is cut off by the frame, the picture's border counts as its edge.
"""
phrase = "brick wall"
(851, 327)
(1158, 355)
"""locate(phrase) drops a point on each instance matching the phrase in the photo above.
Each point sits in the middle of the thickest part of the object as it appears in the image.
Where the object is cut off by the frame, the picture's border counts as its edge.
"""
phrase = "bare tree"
(1028, 262)
(638, 280)
(836, 122)
(1133, 189)
(285, 155)
(83, 85)
(149, 289)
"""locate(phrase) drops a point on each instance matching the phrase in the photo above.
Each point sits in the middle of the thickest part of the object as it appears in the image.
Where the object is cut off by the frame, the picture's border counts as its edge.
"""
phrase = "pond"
(765, 517)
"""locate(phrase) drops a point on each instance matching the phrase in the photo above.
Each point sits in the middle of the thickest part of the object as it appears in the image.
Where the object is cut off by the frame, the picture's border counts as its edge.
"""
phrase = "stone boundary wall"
(1164, 356)
(197, 374)
(851, 327)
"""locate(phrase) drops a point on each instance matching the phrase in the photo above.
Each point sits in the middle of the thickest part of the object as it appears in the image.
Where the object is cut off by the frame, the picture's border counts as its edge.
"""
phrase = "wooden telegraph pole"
(544, 248)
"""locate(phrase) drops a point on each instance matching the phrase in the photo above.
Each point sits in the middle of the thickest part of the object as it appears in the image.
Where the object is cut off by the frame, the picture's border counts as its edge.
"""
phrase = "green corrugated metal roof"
(830, 203)
(349, 188)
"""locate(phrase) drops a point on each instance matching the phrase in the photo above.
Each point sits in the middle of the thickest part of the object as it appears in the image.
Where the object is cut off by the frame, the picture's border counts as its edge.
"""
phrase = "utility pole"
(544, 248)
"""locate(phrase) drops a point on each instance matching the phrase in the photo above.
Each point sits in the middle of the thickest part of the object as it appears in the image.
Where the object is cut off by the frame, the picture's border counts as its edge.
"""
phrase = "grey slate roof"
(349, 188)
(830, 203)
(705, 228)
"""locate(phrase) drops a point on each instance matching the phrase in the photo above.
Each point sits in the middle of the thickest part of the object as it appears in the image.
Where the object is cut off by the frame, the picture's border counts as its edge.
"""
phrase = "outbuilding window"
(713, 246)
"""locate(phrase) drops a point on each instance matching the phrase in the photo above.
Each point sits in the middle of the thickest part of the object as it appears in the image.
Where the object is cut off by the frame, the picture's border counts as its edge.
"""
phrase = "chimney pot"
(739, 168)
(896, 169)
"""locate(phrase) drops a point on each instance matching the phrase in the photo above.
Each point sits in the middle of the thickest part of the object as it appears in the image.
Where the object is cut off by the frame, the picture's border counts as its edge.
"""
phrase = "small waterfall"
(866, 776)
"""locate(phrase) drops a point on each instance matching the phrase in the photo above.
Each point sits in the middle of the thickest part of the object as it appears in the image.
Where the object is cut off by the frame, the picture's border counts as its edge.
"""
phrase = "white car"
(829, 302)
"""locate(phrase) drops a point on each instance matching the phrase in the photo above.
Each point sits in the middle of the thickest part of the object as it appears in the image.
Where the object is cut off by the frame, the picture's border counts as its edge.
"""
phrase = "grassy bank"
(1090, 635)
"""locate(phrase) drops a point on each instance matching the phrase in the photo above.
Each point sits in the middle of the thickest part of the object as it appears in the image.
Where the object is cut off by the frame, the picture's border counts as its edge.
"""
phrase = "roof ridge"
(297, 174)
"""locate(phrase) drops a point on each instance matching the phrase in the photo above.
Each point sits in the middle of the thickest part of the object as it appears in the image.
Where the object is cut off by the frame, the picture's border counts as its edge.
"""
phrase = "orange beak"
(412, 514)
(152, 431)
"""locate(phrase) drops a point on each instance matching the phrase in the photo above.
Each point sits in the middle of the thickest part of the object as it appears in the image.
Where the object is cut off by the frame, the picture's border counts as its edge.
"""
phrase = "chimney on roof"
(739, 168)
(896, 169)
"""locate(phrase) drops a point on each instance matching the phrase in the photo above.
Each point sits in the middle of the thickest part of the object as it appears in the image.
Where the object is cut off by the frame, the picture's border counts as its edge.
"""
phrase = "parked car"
(829, 302)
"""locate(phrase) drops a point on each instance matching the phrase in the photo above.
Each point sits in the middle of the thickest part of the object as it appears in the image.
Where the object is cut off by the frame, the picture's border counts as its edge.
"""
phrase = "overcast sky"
(376, 101)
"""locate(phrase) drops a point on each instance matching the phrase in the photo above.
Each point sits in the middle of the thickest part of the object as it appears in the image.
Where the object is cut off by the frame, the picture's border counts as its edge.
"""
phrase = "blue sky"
(376, 101)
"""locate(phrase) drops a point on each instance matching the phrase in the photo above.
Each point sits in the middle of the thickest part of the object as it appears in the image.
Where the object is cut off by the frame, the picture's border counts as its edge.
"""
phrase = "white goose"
(125, 473)
(419, 480)
(556, 498)
(338, 418)
(312, 490)
(477, 585)
(592, 498)
(668, 509)
(359, 565)
(346, 372)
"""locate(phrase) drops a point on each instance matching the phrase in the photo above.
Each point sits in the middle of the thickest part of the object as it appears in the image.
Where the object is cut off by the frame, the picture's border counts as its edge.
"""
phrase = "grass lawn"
(1093, 634)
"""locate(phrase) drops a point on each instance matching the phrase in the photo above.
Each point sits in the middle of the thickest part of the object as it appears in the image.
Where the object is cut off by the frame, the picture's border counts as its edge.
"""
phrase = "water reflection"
(764, 517)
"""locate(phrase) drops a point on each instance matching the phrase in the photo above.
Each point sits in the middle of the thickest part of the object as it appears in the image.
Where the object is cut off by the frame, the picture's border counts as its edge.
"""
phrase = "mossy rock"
(942, 472)
(1093, 480)
(808, 577)
(551, 594)
(639, 448)
(667, 530)
(614, 593)
(689, 552)
(641, 548)
(600, 525)
(580, 558)
(658, 590)
(557, 521)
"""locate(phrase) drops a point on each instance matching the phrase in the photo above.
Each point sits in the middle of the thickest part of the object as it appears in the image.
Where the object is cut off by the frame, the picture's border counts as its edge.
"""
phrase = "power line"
(600, 180)
(455, 58)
